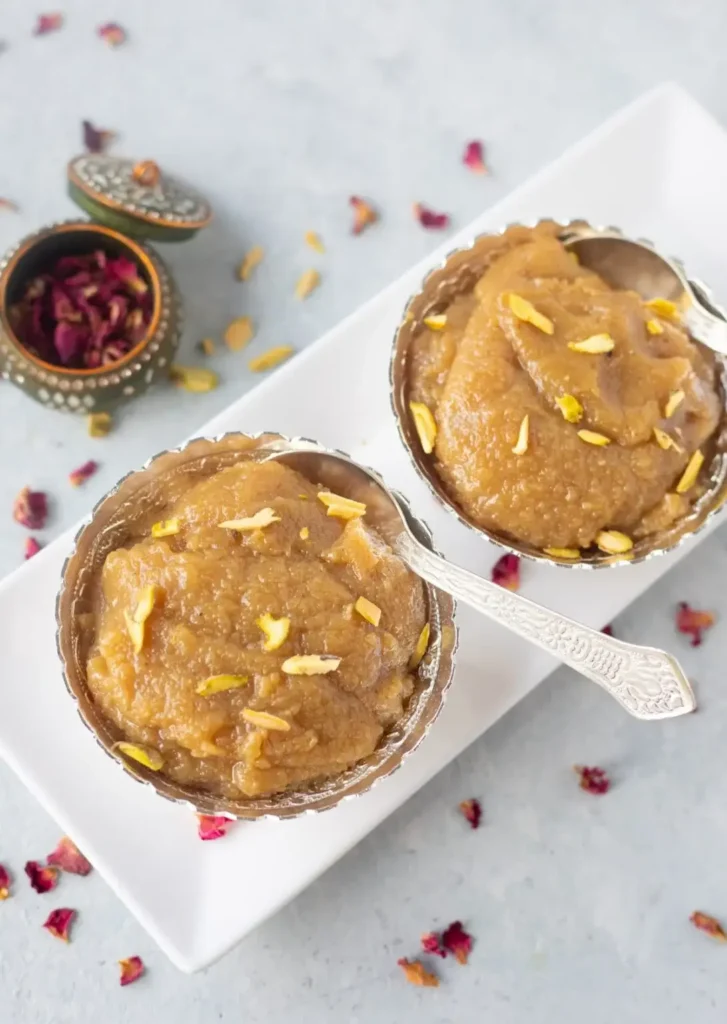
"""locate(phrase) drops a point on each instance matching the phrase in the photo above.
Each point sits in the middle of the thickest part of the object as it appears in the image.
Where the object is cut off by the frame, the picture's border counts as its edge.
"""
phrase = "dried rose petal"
(431, 943)
(708, 924)
(80, 475)
(363, 214)
(416, 973)
(693, 622)
(474, 157)
(130, 970)
(59, 923)
(213, 826)
(30, 508)
(147, 173)
(506, 572)
(31, 547)
(457, 941)
(42, 879)
(8, 204)
(96, 139)
(112, 33)
(472, 811)
(47, 23)
(593, 780)
(429, 219)
(4, 883)
(68, 857)
(607, 630)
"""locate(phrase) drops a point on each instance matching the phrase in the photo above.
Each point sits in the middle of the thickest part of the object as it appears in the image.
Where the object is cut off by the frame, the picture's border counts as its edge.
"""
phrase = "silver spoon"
(637, 266)
(647, 682)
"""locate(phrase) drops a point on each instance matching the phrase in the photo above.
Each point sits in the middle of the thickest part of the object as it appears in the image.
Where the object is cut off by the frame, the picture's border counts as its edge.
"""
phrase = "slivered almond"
(563, 552)
(218, 684)
(690, 474)
(342, 508)
(265, 517)
(421, 647)
(436, 322)
(310, 664)
(270, 359)
(664, 307)
(527, 312)
(135, 631)
(275, 630)
(304, 533)
(307, 283)
(595, 345)
(250, 261)
(521, 445)
(673, 402)
(425, 424)
(613, 542)
(368, 610)
(264, 720)
(665, 441)
(591, 437)
(654, 327)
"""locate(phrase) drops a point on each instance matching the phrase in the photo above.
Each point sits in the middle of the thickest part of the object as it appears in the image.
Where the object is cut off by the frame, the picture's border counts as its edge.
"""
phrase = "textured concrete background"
(281, 110)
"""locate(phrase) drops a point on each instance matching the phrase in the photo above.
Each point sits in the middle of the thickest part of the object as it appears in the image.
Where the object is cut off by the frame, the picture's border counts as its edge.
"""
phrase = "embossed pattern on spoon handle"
(647, 682)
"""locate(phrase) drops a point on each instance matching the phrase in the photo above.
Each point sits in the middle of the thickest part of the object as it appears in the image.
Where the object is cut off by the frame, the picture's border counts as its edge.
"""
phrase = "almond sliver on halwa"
(425, 424)
(368, 610)
(342, 508)
(218, 684)
(264, 720)
(562, 552)
(521, 445)
(165, 528)
(135, 631)
(310, 664)
(654, 327)
(421, 647)
(613, 542)
(436, 322)
(674, 401)
(594, 345)
(664, 307)
(591, 437)
(147, 756)
(265, 517)
(570, 407)
(146, 602)
(690, 474)
(527, 312)
(304, 533)
(275, 630)
(665, 441)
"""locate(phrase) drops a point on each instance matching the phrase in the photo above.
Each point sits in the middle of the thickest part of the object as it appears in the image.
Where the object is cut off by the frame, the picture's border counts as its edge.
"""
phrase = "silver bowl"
(456, 275)
(137, 499)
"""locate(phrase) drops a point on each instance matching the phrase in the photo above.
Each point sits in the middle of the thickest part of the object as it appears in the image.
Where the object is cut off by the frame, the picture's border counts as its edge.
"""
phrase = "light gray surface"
(281, 110)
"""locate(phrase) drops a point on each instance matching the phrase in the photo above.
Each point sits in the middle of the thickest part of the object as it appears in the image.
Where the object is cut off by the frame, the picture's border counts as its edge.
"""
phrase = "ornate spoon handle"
(648, 683)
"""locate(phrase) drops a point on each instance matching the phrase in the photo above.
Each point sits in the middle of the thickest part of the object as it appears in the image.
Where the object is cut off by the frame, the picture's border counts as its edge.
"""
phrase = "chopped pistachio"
(594, 345)
(264, 720)
(570, 407)
(368, 610)
(342, 508)
(613, 542)
(311, 664)
(147, 756)
(527, 312)
(521, 445)
(275, 630)
(591, 437)
(194, 378)
(690, 474)
(421, 647)
(563, 552)
(99, 424)
(265, 517)
(425, 424)
(165, 528)
(218, 684)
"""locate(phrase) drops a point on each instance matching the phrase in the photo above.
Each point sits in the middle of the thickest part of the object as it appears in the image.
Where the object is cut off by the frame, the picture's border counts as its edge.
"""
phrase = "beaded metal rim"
(435, 673)
(420, 304)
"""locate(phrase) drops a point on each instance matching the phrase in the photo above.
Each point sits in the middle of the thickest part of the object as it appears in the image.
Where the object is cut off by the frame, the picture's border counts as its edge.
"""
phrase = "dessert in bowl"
(243, 638)
(562, 417)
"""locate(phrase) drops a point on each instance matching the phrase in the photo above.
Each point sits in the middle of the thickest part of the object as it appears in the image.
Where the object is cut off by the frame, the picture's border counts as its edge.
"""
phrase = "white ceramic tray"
(657, 170)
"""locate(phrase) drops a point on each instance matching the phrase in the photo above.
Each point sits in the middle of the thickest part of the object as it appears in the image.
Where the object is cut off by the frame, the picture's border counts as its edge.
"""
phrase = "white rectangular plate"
(656, 170)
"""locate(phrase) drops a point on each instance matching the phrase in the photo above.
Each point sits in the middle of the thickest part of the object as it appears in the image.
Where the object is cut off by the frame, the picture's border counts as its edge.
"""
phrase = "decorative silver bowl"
(136, 498)
(457, 275)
